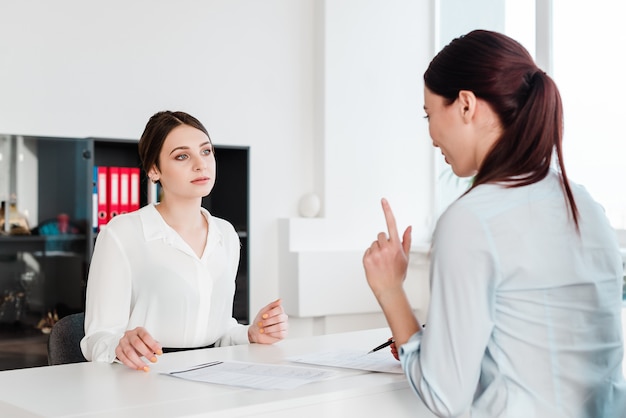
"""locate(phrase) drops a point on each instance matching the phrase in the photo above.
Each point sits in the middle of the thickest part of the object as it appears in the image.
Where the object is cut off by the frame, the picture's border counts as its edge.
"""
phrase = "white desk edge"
(104, 390)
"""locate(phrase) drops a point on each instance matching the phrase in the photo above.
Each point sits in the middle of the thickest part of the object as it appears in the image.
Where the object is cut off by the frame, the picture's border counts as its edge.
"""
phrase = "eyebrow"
(186, 147)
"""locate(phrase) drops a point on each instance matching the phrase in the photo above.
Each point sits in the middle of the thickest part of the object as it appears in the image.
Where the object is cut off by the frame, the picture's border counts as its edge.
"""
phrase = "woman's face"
(451, 133)
(187, 163)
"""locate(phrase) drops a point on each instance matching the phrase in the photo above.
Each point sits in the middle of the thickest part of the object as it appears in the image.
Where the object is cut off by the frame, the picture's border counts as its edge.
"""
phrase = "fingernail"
(146, 369)
(260, 324)
(153, 359)
(159, 353)
(265, 316)
(261, 330)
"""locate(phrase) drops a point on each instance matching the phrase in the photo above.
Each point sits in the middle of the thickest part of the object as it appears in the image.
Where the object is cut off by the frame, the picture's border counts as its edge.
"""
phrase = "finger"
(370, 253)
(275, 336)
(406, 240)
(271, 305)
(382, 239)
(278, 331)
(271, 309)
(128, 356)
(136, 343)
(391, 221)
(277, 327)
(146, 345)
(276, 318)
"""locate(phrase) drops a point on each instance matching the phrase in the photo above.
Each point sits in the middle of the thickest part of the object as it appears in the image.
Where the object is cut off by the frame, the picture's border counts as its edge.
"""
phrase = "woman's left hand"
(387, 259)
(270, 324)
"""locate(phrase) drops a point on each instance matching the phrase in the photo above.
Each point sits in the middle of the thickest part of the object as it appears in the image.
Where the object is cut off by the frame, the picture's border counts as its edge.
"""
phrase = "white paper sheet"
(379, 361)
(253, 375)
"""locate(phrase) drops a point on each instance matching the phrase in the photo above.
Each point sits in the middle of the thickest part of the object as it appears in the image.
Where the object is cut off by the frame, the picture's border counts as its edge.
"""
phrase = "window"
(588, 49)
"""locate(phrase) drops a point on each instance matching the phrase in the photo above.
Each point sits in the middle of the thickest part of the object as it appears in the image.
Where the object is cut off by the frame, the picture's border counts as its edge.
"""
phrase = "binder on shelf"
(135, 184)
(103, 207)
(113, 192)
(124, 190)
(94, 200)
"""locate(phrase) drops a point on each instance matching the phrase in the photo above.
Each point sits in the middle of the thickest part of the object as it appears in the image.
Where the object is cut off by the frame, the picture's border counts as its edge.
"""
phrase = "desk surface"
(112, 390)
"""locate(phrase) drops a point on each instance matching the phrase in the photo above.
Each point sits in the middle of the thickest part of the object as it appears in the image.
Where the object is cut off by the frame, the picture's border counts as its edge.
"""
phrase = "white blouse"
(525, 314)
(143, 273)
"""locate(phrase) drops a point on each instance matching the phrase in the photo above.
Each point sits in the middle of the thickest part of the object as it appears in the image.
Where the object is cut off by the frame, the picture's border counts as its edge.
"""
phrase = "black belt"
(173, 350)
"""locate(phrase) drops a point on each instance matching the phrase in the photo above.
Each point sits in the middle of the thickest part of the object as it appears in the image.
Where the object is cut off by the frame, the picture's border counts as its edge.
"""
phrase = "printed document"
(253, 375)
(379, 361)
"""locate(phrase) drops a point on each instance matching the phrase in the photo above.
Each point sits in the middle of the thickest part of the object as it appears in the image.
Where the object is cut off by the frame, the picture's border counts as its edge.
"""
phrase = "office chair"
(64, 340)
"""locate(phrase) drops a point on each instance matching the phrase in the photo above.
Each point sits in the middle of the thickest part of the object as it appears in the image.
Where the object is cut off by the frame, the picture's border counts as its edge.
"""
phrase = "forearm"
(399, 315)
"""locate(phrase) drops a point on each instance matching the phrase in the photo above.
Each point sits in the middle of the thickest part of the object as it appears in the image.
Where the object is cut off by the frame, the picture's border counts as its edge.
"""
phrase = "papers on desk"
(253, 375)
(379, 361)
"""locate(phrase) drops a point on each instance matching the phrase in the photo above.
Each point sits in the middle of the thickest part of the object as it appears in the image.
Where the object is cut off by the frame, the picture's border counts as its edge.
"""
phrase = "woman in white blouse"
(163, 277)
(526, 275)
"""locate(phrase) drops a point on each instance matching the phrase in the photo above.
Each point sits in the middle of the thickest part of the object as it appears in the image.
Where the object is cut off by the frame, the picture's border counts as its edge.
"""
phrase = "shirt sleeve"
(443, 362)
(235, 335)
(108, 299)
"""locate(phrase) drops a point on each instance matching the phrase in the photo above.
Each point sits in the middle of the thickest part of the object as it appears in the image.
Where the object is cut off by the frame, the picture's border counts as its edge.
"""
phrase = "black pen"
(383, 345)
(386, 344)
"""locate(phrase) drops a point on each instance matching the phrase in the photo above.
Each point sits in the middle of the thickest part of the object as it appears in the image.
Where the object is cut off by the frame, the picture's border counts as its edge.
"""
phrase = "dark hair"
(500, 71)
(155, 132)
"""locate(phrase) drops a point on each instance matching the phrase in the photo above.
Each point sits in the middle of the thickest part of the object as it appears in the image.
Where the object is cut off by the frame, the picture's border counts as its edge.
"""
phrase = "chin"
(207, 192)
(463, 173)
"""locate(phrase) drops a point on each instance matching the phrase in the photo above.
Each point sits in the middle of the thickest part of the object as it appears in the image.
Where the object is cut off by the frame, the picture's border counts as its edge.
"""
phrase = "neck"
(184, 214)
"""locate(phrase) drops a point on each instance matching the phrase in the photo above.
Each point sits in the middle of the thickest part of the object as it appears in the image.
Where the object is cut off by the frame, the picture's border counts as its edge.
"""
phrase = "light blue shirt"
(525, 313)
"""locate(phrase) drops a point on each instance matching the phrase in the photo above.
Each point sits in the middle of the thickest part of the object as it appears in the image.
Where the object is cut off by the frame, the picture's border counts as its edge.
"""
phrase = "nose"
(199, 163)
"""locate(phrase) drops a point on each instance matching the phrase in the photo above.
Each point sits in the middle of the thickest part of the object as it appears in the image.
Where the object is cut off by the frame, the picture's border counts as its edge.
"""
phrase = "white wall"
(328, 95)
(375, 144)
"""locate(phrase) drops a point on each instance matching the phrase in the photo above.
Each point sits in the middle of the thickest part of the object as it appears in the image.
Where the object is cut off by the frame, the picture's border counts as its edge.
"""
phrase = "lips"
(201, 180)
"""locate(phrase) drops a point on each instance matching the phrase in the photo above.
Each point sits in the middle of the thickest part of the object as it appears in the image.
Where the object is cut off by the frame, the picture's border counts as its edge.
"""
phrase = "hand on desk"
(270, 324)
(134, 344)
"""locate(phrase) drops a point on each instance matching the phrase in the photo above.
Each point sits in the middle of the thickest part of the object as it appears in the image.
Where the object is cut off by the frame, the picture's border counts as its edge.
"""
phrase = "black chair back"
(64, 340)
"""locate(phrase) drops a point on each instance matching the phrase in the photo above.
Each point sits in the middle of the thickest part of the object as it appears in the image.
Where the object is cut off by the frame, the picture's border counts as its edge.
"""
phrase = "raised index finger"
(391, 221)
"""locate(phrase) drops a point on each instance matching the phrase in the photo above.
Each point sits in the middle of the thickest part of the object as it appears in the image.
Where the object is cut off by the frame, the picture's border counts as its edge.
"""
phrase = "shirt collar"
(154, 227)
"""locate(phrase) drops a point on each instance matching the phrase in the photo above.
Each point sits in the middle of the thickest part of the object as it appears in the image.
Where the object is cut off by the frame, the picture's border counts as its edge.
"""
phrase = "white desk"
(113, 390)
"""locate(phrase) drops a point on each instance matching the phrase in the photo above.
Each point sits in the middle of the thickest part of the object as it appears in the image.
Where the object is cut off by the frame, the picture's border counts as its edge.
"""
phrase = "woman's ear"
(467, 104)
(153, 174)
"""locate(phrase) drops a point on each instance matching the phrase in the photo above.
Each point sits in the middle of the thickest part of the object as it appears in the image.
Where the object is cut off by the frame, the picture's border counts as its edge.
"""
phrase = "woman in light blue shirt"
(525, 311)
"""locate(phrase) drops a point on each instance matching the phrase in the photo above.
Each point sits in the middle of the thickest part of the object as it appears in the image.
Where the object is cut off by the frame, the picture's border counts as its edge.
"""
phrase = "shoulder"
(477, 203)
(123, 221)
(223, 226)
(475, 214)
(128, 224)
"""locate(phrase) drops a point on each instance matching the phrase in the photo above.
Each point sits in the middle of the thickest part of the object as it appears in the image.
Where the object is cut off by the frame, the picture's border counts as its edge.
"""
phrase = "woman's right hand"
(394, 351)
(137, 343)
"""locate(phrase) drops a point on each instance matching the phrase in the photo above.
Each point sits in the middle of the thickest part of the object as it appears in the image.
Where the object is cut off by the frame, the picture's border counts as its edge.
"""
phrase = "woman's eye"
(181, 157)
(206, 151)
(427, 117)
